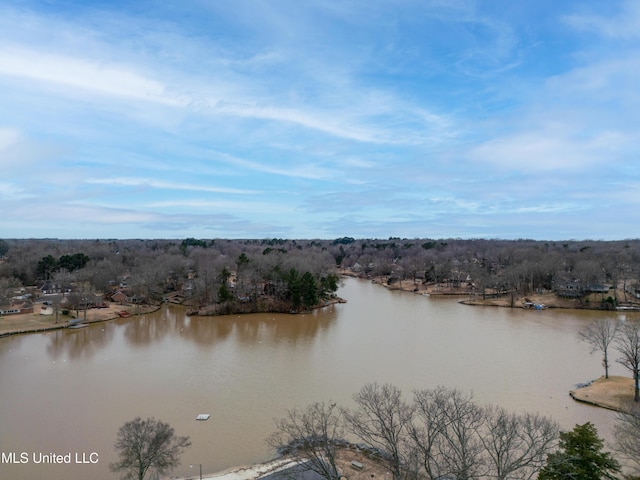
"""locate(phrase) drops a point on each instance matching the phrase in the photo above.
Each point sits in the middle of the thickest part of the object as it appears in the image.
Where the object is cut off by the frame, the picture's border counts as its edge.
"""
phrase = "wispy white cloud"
(623, 24)
(224, 206)
(535, 152)
(80, 76)
(97, 77)
(10, 191)
(9, 137)
(166, 185)
(298, 117)
(565, 207)
(304, 170)
(359, 162)
(21, 153)
(227, 86)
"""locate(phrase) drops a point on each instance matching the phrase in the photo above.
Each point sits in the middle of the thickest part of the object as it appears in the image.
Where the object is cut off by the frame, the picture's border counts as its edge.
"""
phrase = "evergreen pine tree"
(580, 457)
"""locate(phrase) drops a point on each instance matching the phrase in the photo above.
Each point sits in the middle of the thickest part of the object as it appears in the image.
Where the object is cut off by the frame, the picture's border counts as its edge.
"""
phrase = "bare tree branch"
(147, 446)
(628, 344)
(517, 445)
(600, 335)
(312, 436)
(446, 433)
(381, 420)
(626, 432)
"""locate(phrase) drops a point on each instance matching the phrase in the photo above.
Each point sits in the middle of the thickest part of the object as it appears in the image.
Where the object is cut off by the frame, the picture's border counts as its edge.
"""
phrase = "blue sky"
(320, 119)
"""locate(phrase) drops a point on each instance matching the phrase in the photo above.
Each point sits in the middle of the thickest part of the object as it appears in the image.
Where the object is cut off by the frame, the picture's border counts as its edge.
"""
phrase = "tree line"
(223, 276)
(212, 271)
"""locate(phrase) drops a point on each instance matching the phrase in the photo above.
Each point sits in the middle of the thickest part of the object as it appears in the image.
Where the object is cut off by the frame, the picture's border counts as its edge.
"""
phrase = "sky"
(320, 119)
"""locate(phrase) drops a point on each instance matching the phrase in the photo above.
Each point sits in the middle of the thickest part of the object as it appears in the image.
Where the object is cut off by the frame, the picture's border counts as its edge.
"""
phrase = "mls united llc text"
(49, 458)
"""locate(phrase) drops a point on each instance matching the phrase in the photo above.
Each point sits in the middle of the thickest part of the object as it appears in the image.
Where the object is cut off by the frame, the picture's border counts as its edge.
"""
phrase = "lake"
(68, 391)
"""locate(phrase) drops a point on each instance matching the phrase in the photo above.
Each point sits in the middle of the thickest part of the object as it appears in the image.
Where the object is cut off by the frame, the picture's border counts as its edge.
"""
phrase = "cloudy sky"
(320, 119)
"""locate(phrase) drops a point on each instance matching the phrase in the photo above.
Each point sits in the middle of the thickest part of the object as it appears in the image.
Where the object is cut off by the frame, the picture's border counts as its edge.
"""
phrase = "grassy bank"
(614, 393)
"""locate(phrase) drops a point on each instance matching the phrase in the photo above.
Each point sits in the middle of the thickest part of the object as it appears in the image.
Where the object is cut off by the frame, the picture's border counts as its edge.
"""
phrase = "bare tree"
(8, 286)
(445, 433)
(600, 334)
(382, 419)
(516, 445)
(626, 433)
(456, 438)
(427, 431)
(312, 436)
(147, 446)
(628, 343)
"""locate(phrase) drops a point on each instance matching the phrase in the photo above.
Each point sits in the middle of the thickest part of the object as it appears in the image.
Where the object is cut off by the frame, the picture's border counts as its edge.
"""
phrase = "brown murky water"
(68, 392)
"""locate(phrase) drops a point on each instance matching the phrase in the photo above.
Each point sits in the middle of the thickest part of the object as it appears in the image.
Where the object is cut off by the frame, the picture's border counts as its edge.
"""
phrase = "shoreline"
(246, 472)
(210, 310)
(25, 323)
(546, 300)
(34, 323)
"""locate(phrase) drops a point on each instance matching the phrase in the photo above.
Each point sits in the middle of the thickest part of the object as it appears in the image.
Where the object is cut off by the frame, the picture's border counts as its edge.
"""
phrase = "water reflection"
(252, 329)
(148, 328)
(79, 343)
(171, 320)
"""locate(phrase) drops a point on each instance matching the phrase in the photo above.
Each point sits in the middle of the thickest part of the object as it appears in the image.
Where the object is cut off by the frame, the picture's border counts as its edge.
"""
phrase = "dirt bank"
(34, 322)
(614, 393)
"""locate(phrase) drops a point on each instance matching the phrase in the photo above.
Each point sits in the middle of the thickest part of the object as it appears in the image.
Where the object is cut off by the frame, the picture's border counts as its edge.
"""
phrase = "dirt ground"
(370, 469)
(34, 322)
(614, 393)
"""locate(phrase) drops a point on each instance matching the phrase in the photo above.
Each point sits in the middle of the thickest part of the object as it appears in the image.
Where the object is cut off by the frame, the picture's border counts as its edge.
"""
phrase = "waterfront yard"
(34, 322)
